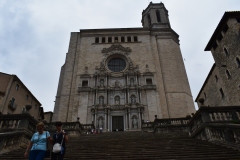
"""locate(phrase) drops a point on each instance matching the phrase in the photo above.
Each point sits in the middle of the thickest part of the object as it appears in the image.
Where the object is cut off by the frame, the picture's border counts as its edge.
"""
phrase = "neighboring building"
(15, 98)
(48, 116)
(222, 86)
(115, 78)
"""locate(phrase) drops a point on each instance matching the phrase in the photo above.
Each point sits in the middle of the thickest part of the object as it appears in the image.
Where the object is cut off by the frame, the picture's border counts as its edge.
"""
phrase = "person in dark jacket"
(60, 137)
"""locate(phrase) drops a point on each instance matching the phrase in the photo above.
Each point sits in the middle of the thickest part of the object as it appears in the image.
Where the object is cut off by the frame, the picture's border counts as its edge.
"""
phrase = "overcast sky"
(34, 35)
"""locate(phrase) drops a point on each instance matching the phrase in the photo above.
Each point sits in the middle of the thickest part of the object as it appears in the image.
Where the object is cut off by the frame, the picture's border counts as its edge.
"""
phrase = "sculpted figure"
(101, 99)
(131, 82)
(100, 123)
(135, 123)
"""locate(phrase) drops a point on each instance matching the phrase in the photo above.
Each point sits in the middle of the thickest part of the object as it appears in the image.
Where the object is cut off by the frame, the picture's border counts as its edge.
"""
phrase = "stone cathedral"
(116, 78)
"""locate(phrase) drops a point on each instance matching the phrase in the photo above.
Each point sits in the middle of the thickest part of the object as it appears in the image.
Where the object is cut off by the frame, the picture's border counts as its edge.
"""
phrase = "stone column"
(129, 119)
(108, 119)
(105, 119)
(95, 123)
(126, 119)
(139, 118)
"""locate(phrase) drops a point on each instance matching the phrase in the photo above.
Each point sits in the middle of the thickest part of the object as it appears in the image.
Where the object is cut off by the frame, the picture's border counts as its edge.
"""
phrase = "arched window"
(101, 100)
(238, 62)
(221, 91)
(158, 16)
(226, 51)
(117, 100)
(133, 99)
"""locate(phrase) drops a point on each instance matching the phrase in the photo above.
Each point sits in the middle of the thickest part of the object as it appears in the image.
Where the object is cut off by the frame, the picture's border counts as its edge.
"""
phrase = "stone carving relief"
(116, 48)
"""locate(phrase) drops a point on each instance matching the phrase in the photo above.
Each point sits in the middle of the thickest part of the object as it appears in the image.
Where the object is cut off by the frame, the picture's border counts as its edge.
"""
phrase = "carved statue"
(131, 82)
(133, 100)
(117, 84)
(100, 123)
(101, 99)
(101, 82)
(135, 123)
(117, 100)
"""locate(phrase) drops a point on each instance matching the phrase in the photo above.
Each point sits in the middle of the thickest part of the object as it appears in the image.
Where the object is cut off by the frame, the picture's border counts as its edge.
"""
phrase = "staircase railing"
(220, 124)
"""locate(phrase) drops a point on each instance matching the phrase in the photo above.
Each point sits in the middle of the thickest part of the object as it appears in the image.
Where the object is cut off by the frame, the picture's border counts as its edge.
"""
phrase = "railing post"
(234, 115)
(205, 116)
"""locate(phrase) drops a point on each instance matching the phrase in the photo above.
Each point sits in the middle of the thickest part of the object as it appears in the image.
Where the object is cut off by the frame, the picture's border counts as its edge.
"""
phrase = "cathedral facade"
(115, 78)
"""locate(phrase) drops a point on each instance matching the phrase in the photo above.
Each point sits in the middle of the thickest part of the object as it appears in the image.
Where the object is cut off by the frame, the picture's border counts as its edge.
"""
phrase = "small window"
(135, 38)
(17, 87)
(221, 91)
(158, 16)
(228, 74)
(149, 21)
(27, 97)
(149, 81)
(96, 40)
(216, 78)
(109, 39)
(129, 39)
(225, 28)
(225, 51)
(36, 106)
(84, 83)
(103, 40)
(238, 62)
(205, 96)
(238, 20)
(220, 37)
(122, 39)
(214, 45)
(116, 39)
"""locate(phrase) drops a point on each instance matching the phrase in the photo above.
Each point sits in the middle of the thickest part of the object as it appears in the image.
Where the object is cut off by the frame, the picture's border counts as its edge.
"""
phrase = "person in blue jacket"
(59, 137)
(38, 143)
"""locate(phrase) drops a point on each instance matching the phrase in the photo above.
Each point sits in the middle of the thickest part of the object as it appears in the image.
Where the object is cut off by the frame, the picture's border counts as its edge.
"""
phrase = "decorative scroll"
(116, 47)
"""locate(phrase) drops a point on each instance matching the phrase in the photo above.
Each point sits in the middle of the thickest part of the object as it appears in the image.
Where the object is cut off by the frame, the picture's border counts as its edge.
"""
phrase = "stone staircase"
(139, 145)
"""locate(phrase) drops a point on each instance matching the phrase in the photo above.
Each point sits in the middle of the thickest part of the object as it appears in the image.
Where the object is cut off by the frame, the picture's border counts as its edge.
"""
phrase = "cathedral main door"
(117, 123)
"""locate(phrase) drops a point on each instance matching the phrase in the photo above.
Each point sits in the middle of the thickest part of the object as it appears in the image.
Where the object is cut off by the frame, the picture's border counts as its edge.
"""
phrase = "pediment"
(116, 47)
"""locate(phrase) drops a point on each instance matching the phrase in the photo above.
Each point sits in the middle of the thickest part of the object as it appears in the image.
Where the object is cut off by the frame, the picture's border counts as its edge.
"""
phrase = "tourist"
(100, 130)
(61, 138)
(38, 144)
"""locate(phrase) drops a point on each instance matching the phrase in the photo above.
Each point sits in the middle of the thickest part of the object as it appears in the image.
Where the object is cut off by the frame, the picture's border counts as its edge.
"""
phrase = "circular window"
(116, 64)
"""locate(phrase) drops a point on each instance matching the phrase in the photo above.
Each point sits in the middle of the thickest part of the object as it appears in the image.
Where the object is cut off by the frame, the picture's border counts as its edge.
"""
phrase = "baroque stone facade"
(222, 86)
(115, 78)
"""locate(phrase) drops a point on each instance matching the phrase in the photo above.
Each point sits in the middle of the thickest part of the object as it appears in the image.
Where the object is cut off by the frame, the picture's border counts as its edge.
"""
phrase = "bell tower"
(155, 16)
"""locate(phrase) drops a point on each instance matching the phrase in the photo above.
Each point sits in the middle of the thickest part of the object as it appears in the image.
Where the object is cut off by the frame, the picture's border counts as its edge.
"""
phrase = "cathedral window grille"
(84, 83)
(116, 64)
(135, 38)
(129, 39)
(225, 28)
(96, 40)
(103, 40)
(117, 100)
(225, 51)
(122, 39)
(238, 62)
(221, 91)
(228, 74)
(101, 100)
(149, 81)
(158, 16)
(133, 99)
(116, 39)
(216, 78)
(110, 39)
